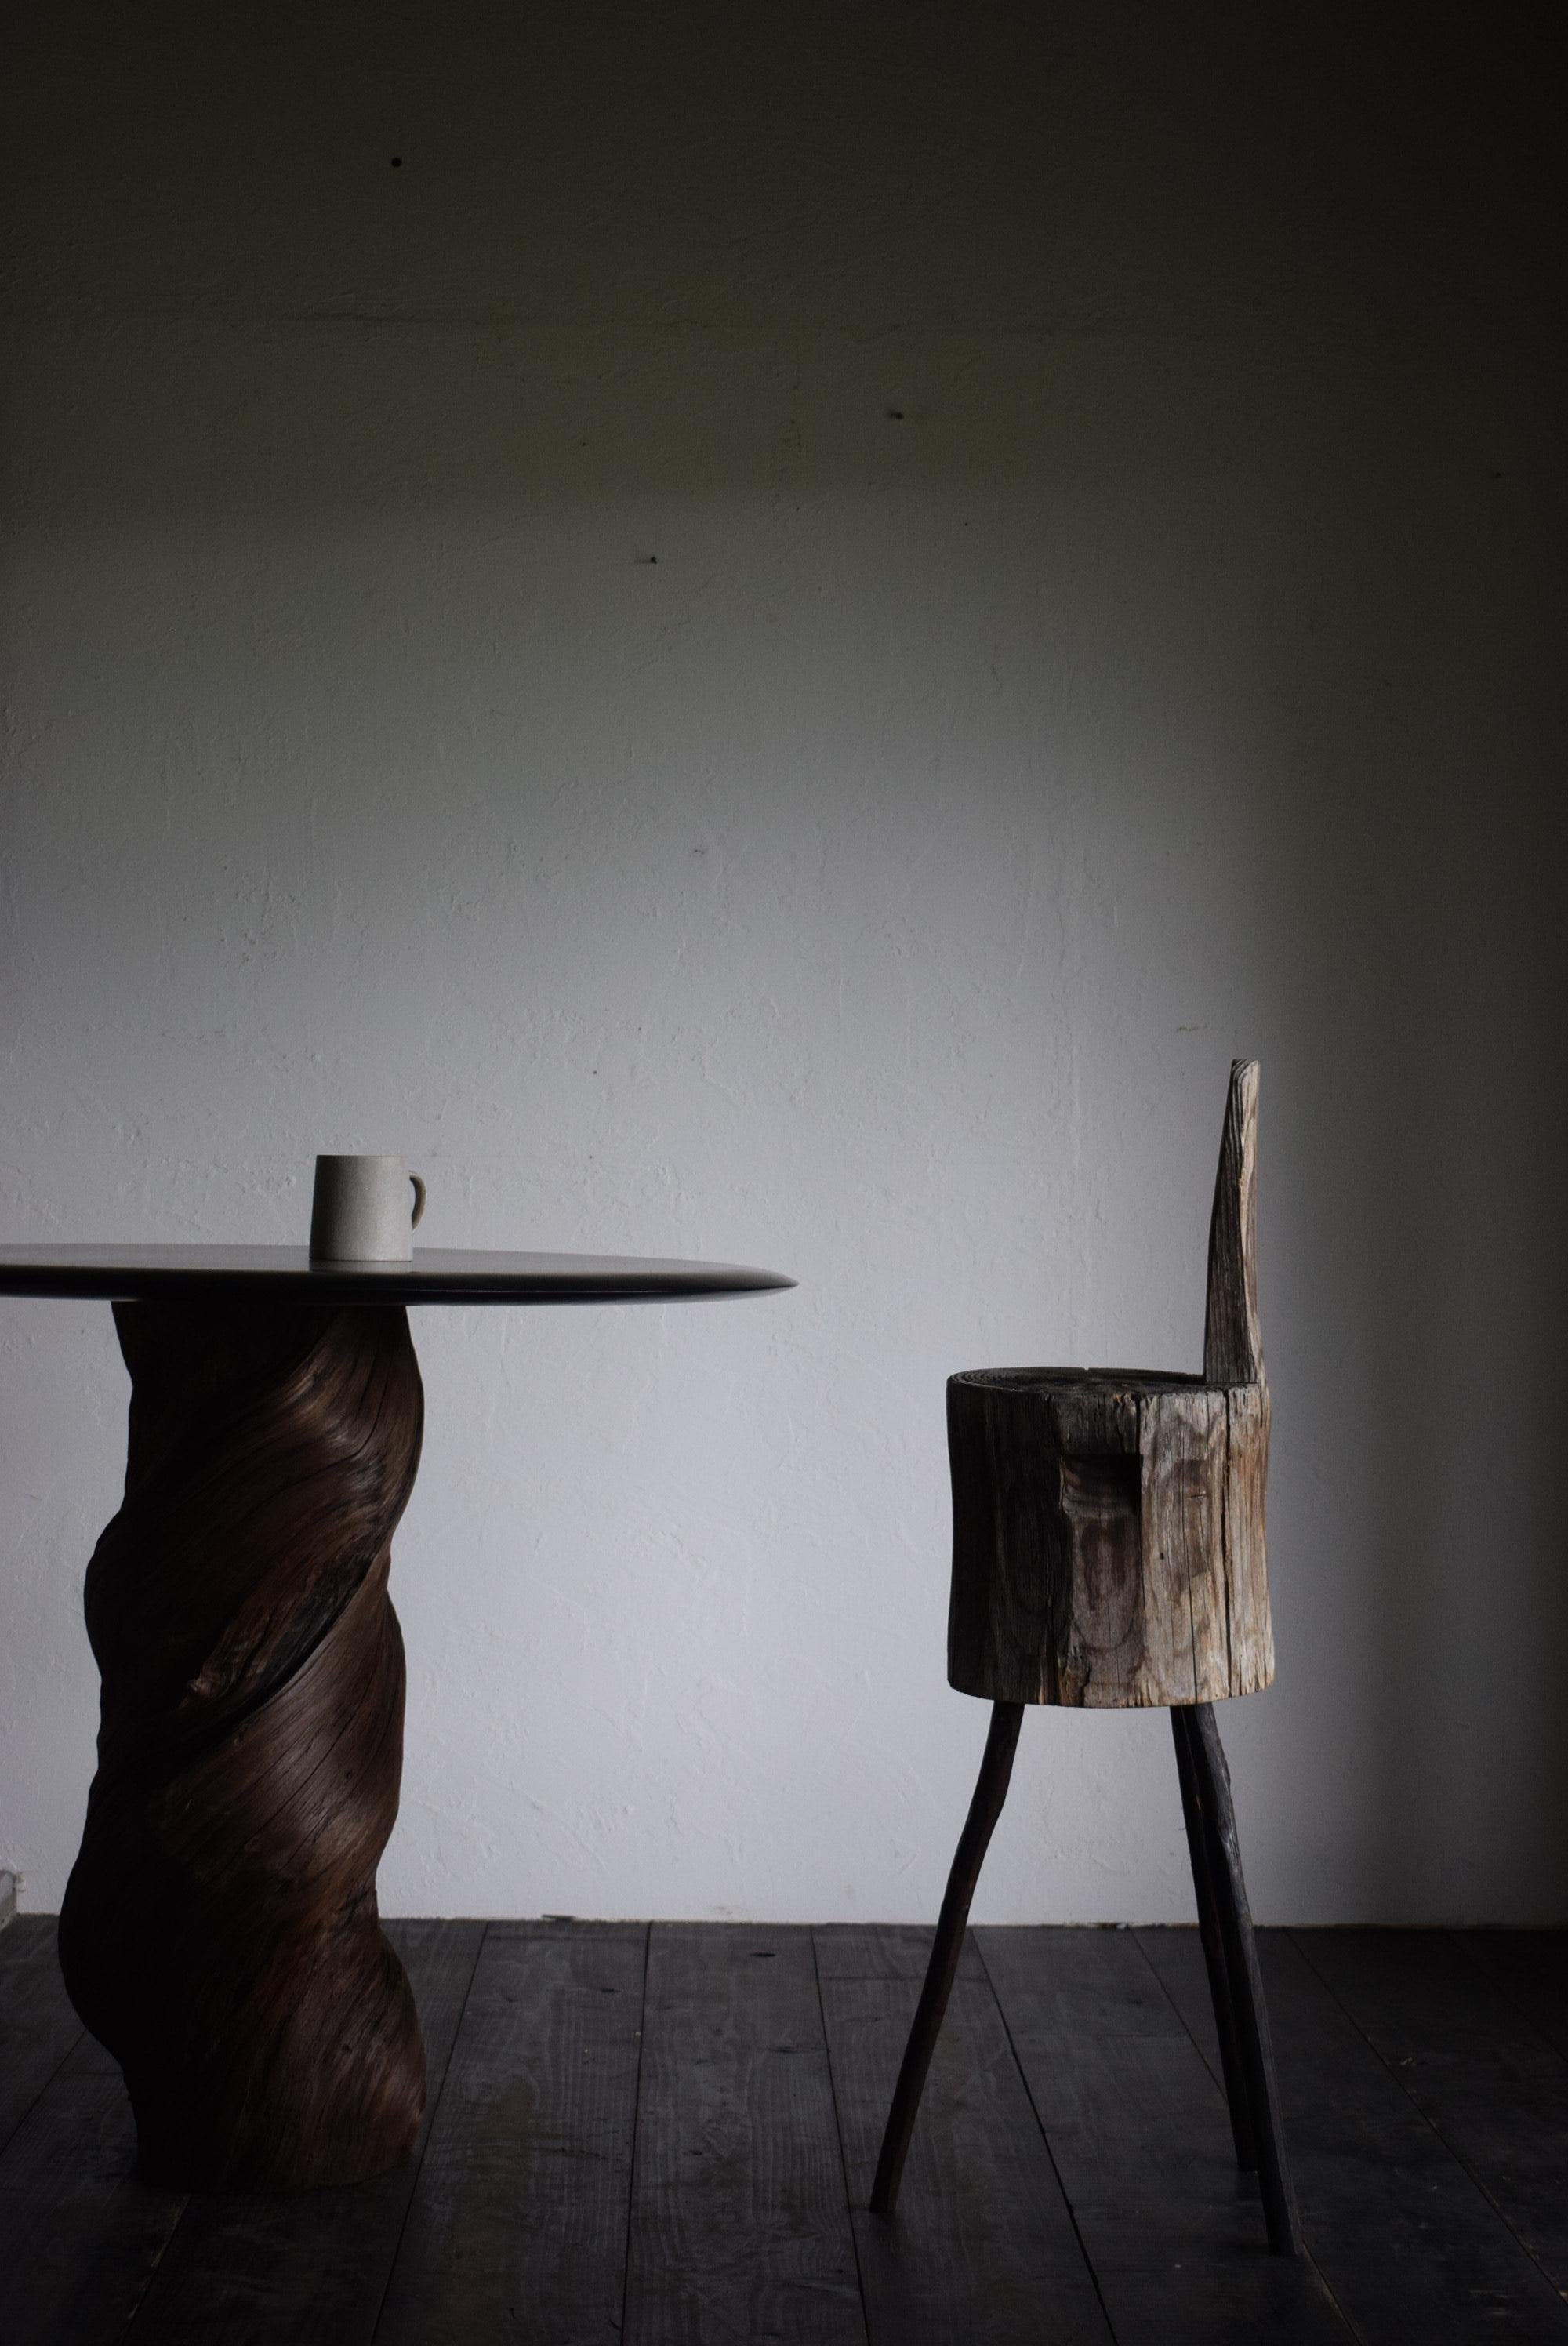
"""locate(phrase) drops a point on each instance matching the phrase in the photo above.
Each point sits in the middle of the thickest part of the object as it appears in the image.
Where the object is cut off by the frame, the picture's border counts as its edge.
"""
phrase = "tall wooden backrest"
(1108, 1523)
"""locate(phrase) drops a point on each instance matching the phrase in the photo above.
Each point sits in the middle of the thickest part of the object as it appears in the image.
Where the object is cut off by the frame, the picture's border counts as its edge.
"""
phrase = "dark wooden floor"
(668, 2134)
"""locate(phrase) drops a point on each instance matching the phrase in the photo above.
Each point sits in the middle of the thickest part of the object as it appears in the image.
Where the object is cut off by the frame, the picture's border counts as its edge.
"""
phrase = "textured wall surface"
(774, 643)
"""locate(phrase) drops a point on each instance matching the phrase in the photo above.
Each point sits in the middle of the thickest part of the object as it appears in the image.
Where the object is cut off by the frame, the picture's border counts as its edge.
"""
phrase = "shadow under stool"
(1108, 1553)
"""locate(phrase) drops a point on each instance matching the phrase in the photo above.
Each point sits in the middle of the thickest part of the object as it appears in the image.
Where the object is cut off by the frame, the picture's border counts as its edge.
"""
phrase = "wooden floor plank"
(248, 2271)
(1494, 2087)
(739, 2227)
(20, 1937)
(80, 2237)
(1175, 1955)
(518, 2225)
(1138, 2131)
(38, 2025)
(885, 1950)
(1408, 2244)
(1530, 1967)
(1425, 2079)
(981, 2246)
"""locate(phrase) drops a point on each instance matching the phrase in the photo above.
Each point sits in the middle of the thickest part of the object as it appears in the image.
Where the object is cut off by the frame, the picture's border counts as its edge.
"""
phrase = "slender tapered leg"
(219, 1931)
(990, 1792)
(1239, 1979)
(1210, 1931)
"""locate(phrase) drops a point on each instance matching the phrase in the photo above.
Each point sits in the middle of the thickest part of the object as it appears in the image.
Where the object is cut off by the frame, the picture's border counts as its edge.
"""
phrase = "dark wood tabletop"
(131, 1274)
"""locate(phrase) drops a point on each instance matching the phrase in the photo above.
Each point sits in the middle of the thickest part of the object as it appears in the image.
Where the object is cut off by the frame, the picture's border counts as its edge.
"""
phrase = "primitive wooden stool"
(1108, 1553)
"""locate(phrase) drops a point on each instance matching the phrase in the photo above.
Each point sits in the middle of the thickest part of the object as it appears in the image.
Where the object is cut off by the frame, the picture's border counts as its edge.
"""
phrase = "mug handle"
(419, 1197)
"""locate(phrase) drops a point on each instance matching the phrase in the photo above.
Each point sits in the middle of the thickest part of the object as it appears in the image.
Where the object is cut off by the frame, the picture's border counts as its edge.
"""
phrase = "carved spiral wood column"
(219, 1933)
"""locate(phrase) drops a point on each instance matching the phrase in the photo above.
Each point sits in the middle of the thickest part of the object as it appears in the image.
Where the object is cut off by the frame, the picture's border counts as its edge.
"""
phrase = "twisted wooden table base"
(219, 1933)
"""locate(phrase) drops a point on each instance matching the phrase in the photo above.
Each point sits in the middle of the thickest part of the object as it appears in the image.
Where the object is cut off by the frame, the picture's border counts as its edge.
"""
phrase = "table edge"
(94, 1284)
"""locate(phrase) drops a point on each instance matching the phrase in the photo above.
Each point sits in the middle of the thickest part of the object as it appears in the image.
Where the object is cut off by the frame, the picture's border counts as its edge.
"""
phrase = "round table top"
(143, 1274)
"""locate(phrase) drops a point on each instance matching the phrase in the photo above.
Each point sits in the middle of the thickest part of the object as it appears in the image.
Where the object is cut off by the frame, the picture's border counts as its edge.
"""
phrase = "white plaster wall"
(775, 648)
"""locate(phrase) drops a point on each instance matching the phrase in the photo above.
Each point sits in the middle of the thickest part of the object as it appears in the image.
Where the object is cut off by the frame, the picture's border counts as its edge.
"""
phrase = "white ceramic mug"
(361, 1212)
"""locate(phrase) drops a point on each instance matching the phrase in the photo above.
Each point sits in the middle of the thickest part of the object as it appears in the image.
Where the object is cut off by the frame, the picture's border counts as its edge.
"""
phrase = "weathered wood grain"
(947, 1948)
(518, 2224)
(37, 2027)
(1182, 1440)
(1530, 1967)
(1405, 2238)
(739, 2228)
(248, 2268)
(1232, 1339)
(219, 1931)
(884, 1950)
(1108, 1526)
(1138, 2132)
(1249, 1628)
(1425, 2159)
(1494, 2087)
(983, 2247)
(1205, 1860)
(1239, 2004)
(81, 2233)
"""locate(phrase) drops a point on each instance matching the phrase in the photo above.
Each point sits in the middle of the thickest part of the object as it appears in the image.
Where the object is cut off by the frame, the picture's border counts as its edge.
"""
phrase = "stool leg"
(1213, 1945)
(990, 1792)
(1243, 1982)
